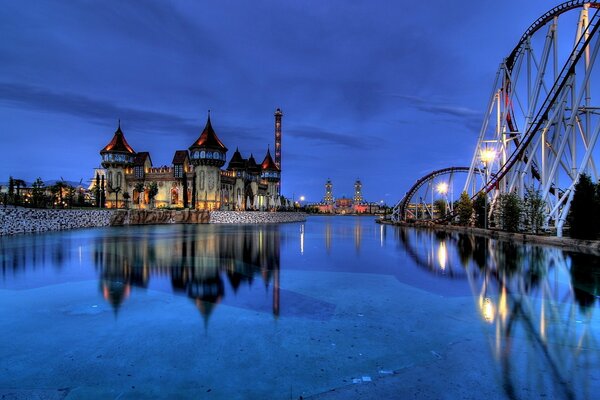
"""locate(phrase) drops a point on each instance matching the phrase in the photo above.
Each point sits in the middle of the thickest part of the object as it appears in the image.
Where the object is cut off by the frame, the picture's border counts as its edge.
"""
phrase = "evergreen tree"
(464, 209)
(440, 205)
(533, 208)
(481, 209)
(512, 210)
(584, 209)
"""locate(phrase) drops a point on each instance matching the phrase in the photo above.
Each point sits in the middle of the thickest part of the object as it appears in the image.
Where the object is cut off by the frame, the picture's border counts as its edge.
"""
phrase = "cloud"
(467, 116)
(317, 134)
(92, 110)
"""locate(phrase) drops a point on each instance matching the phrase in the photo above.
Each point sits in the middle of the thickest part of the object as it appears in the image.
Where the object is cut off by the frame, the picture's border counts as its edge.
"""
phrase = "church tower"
(208, 155)
(117, 159)
(358, 192)
(278, 115)
(328, 192)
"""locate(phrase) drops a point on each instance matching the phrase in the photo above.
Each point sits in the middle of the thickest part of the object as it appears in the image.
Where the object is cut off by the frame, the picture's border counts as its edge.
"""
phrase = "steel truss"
(542, 121)
(417, 203)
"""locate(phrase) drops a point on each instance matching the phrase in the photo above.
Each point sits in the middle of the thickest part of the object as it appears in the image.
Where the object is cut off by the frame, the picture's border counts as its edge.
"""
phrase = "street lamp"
(442, 188)
(487, 156)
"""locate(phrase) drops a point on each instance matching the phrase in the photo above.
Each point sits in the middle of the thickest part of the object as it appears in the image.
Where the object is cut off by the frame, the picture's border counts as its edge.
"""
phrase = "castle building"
(195, 178)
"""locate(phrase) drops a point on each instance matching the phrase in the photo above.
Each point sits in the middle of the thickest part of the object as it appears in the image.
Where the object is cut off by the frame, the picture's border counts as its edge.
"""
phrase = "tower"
(208, 155)
(328, 192)
(358, 192)
(117, 159)
(278, 115)
(271, 175)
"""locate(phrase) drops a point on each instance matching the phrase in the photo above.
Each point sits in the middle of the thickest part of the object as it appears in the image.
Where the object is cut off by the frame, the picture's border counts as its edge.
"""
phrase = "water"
(283, 311)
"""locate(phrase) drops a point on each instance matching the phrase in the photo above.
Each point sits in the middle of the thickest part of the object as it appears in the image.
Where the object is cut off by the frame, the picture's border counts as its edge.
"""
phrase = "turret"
(208, 149)
(208, 155)
(118, 158)
(117, 153)
(269, 171)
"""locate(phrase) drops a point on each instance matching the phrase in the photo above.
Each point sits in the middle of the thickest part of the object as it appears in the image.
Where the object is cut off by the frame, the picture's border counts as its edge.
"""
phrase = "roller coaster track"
(400, 209)
(542, 115)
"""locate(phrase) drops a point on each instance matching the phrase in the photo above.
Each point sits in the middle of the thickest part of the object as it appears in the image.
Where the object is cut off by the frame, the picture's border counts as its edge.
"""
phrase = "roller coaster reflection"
(537, 305)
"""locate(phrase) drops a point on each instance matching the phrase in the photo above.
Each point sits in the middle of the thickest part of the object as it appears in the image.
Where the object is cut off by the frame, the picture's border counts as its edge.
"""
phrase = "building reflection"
(196, 262)
(537, 304)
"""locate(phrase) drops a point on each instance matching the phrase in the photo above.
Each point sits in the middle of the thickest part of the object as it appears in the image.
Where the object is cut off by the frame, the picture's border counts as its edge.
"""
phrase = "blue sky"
(378, 90)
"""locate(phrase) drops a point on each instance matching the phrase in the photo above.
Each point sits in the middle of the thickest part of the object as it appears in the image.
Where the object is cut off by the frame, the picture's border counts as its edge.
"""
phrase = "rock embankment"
(153, 217)
(15, 220)
(255, 217)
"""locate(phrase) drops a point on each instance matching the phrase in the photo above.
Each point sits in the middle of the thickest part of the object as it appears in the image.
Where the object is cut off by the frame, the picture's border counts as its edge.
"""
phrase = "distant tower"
(278, 115)
(358, 192)
(328, 192)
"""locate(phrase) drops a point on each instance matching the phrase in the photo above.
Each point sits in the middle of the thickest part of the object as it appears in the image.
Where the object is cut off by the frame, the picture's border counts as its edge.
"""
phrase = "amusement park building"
(195, 178)
(343, 205)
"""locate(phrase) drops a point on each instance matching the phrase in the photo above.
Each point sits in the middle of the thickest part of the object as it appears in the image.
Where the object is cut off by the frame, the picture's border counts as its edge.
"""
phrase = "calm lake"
(283, 311)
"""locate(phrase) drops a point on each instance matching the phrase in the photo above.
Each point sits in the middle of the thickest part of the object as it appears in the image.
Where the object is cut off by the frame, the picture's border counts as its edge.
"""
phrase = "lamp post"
(442, 188)
(487, 156)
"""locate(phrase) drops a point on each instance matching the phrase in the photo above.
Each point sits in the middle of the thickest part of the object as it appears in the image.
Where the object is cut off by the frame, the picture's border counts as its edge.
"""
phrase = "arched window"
(202, 154)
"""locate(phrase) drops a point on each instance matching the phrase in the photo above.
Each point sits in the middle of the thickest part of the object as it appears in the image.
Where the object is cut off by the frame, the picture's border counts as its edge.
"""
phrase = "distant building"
(344, 205)
(195, 178)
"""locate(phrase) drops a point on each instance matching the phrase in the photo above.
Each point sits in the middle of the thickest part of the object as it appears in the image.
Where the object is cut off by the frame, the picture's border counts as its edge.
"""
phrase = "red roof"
(118, 143)
(208, 138)
(268, 163)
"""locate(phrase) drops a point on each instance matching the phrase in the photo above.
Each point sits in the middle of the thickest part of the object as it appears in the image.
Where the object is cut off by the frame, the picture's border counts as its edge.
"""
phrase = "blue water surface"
(283, 311)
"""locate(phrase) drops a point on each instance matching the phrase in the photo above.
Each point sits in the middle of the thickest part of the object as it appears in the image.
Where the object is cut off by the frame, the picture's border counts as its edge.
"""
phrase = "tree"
(152, 192)
(58, 188)
(70, 195)
(508, 212)
(97, 190)
(37, 194)
(139, 188)
(440, 205)
(19, 183)
(80, 197)
(584, 208)
(481, 208)
(126, 198)
(533, 210)
(464, 209)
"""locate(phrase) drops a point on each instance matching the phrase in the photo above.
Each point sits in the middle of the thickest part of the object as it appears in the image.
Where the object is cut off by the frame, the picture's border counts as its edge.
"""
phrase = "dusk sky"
(382, 91)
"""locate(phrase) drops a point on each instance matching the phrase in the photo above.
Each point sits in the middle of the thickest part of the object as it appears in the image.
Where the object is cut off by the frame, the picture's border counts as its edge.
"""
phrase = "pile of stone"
(15, 220)
(257, 217)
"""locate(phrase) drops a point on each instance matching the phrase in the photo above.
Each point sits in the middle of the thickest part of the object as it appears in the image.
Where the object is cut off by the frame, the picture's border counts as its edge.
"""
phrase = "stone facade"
(27, 220)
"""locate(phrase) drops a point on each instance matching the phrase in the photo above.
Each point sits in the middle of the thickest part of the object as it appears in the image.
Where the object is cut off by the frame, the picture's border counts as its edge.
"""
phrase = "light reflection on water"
(538, 306)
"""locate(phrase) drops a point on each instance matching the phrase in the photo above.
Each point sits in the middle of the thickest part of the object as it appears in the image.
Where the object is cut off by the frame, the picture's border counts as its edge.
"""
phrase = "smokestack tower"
(278, 115)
